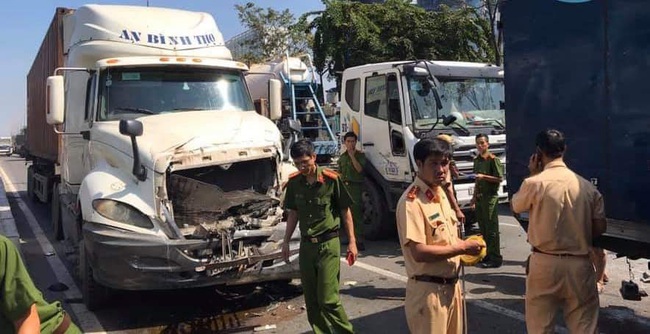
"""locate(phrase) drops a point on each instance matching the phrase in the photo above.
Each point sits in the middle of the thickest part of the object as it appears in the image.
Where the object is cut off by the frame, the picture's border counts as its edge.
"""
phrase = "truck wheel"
(57, 229)
(30, 184)
(375, 211)
(95, 296)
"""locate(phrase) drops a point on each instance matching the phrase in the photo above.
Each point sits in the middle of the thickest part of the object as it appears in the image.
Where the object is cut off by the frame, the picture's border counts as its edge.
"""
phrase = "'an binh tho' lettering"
(160, 39)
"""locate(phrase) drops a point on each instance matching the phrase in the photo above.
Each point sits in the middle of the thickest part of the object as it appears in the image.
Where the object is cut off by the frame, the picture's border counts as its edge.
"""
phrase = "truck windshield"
(127, 93)
(474, 101)
(422, 100)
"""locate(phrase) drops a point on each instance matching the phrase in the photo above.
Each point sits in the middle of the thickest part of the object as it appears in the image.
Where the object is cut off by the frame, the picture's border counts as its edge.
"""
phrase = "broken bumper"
(130, 261)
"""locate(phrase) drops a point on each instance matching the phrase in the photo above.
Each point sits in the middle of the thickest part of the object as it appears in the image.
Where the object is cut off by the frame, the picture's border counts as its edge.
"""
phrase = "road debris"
(264, 328)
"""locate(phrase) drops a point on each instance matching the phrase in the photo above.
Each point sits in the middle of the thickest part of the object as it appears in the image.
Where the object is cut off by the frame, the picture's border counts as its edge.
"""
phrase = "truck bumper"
(126, 260)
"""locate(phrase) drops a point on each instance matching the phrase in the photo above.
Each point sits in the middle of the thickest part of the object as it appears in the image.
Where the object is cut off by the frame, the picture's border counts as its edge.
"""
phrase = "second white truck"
(392, 105)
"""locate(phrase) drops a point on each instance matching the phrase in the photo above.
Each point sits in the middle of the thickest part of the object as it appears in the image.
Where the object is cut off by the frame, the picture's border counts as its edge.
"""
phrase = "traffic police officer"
(22, 307)
(351, 165)
(428, 234)
(566, 212)
(317, 198)
(489, 174)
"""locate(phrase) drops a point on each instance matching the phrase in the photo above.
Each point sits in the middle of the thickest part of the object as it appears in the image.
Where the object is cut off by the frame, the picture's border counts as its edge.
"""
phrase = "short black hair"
(431, 147)
(350, 134)
(482, 135)
(551, 143)
(301, 148)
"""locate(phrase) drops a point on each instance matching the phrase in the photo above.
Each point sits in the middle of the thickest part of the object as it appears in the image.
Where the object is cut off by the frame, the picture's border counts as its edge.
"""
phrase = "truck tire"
(95, 296)
(375, 211)
(55, 213)
(30, 184)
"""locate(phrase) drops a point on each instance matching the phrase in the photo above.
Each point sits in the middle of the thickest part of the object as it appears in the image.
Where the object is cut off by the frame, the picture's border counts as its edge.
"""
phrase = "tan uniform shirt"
(562, 208)
(425, 216)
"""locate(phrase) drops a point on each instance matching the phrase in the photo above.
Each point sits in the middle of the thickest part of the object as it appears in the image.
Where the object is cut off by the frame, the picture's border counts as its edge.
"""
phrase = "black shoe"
(361, 246)
(489, 264)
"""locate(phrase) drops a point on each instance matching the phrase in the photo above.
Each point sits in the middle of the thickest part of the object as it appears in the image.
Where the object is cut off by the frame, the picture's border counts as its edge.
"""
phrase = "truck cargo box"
(42, 142)
(581, 67)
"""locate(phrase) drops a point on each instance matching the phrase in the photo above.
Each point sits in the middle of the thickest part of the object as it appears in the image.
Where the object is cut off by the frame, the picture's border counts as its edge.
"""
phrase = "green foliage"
(277, 33)
(350, 33)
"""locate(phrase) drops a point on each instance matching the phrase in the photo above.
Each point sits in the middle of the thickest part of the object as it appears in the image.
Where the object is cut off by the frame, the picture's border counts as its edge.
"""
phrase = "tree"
(276, 33)
(351, 33)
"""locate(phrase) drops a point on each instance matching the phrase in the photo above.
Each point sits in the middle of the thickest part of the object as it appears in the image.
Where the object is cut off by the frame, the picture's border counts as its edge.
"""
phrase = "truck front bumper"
(126, 260)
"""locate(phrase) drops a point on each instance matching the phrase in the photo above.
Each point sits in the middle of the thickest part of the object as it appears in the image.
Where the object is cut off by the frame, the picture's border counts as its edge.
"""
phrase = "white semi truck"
(162, 173)
(392, 105)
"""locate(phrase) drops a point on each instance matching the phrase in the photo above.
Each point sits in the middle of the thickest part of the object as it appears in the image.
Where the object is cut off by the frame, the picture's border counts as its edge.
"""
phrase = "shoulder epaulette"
(294, 174)
(413, 193)
(330, 173)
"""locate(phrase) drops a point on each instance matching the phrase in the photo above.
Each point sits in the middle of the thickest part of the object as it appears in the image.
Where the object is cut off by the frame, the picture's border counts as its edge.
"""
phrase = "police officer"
(317, 198)
(489, 174)
(351, 165)
(428, 234)
(22, 307)
(566, 212)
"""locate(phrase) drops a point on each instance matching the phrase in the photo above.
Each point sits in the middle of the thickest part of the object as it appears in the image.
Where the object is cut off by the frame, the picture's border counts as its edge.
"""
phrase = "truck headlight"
(121, 212)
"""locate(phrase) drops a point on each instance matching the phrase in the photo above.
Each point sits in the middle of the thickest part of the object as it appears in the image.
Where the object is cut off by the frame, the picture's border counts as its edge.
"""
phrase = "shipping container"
(42, 142)
(581, 67)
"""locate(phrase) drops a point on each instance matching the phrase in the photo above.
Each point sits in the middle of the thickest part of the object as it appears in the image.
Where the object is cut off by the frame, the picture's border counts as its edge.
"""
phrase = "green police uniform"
(318, 206)
(487, 200)
(18, 293)
(353, 180)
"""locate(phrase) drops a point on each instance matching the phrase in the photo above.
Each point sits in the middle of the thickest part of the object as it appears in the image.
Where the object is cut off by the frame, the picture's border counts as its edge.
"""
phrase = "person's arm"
(29, 323)
(429, 253)
(413, 223)
(522, 200)
(344, 201)
(497, 167)
(599, 220)
(292, 221)
(19, 294)
(357, 163)
(449, 190)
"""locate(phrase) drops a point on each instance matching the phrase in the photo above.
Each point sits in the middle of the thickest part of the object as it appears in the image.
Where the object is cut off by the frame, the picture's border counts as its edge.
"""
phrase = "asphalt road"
(372, 290)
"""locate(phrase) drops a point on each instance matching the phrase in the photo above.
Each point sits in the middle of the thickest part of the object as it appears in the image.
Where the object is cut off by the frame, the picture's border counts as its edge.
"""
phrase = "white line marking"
(476, 302)
(85, 319)
(506, 224)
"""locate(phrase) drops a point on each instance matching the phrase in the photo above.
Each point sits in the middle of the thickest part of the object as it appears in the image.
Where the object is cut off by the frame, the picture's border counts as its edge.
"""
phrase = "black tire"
(95, 296)
(30, 184)
(376, 216)
(57, 228)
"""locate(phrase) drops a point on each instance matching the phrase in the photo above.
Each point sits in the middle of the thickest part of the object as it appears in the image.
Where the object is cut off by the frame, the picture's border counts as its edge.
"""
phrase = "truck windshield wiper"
(138, 110)
(189, 109)
(494, 120)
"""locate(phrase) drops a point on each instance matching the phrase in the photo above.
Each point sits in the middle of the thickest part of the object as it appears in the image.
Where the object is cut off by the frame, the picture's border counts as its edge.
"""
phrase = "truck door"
(381, 126)
(74, 153)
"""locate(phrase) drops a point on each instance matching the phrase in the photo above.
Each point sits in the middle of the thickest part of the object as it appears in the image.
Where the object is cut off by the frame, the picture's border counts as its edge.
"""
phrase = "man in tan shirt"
(566, 212)
(428, 233)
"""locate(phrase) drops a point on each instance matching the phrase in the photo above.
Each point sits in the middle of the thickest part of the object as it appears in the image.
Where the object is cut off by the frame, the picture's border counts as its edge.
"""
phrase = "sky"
(24, 23)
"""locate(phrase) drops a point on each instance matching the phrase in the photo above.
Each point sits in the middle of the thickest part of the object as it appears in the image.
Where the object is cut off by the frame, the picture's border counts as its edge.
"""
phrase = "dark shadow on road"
(388, 321)
(371, 292)
(508, 284)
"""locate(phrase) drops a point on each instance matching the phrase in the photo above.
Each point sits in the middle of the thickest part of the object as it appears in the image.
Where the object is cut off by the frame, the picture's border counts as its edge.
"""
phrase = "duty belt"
(435, 279)
(535, 250)
(322, 237)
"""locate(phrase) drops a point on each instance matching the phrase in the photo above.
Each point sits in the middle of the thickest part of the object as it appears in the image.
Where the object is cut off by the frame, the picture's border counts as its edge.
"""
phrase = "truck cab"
(166, 176)
(392, 105)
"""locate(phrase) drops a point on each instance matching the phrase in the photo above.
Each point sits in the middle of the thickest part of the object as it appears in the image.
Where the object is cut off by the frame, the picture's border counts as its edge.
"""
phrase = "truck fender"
(111, 183)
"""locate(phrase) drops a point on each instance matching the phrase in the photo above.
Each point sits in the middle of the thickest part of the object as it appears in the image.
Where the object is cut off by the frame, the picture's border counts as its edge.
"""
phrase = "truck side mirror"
(56, 112)
(133, 128)
(275, 99)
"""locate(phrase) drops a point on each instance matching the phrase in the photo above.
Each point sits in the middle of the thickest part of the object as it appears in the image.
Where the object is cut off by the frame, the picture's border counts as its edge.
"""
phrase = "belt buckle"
(313, 240)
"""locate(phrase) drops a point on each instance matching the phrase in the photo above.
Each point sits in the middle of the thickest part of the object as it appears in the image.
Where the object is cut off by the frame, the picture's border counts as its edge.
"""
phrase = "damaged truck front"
(166, 177)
